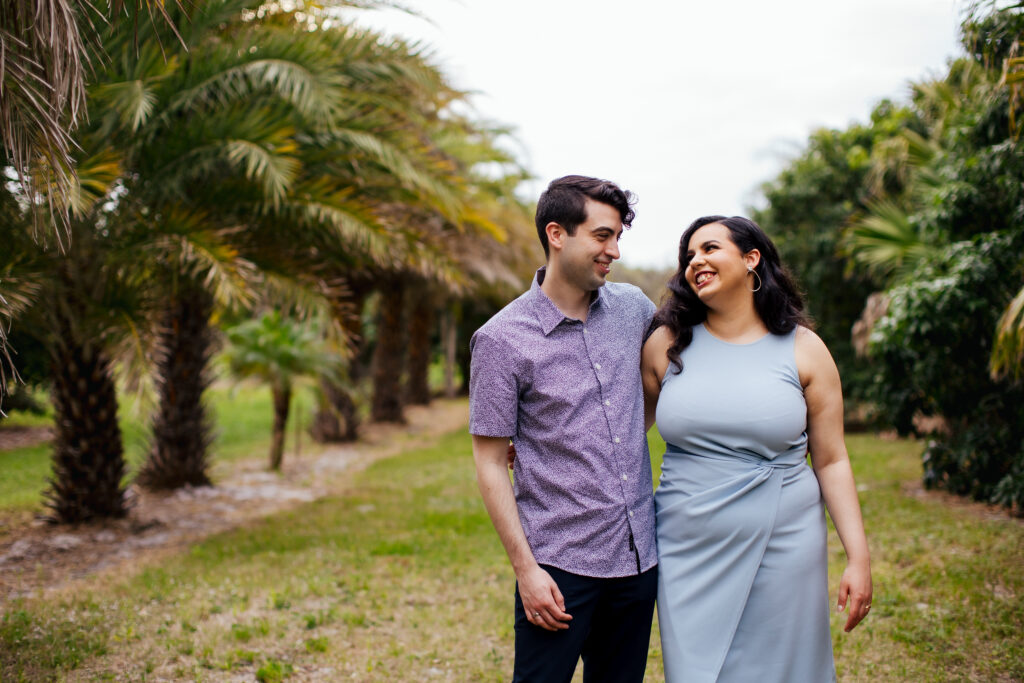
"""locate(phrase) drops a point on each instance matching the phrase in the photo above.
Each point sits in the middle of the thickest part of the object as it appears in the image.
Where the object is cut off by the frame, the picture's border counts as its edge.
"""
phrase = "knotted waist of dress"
(784, 461)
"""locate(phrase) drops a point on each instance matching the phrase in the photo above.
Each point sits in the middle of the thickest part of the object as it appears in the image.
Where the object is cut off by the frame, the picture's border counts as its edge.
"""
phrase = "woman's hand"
(855, 592)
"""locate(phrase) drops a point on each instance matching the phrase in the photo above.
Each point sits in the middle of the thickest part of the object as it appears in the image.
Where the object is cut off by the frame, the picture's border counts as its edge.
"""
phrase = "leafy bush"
(930, 355)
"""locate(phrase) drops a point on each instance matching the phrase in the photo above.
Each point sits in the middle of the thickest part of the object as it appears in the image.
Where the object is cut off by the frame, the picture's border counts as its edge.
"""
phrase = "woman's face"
(715, 264)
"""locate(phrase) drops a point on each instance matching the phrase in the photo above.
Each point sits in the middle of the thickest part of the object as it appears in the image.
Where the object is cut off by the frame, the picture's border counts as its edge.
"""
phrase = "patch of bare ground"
(22, 437)
(37, 558)
(915, 489)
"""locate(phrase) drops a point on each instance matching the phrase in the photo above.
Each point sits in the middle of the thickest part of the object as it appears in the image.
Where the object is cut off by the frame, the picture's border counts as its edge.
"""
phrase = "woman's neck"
(738, 324)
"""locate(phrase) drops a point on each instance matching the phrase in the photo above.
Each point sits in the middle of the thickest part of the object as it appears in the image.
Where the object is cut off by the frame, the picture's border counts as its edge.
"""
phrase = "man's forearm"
(496, 490)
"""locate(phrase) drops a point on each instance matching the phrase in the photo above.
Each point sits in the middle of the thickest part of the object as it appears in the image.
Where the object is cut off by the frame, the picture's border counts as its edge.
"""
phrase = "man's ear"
(556, 235)
(752, 258)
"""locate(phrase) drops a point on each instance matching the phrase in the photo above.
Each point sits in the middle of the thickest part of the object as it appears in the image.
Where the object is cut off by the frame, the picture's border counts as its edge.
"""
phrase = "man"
(557, 371)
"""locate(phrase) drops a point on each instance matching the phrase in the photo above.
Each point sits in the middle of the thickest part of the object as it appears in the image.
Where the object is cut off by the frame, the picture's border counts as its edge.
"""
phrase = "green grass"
(243, 416)
(403, 578)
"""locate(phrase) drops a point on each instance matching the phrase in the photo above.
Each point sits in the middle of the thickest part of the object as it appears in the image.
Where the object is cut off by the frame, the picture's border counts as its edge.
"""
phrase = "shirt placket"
(591, 343)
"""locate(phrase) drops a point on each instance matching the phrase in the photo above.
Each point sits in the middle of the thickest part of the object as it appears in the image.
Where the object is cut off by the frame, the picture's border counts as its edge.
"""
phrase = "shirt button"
(630, 513)
(597, 366)
(586, 331)
(616, 439)
(607, 403)
(624, 477)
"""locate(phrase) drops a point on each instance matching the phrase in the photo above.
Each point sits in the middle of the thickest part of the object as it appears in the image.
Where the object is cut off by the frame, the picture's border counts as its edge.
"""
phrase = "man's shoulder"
(626, 294)
(516, 316)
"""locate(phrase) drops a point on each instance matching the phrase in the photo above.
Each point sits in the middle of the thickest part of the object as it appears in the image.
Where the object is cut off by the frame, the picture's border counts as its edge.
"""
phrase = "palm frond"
(319, 203)
(1007, 358)
(887, 240)
(94, 180)
(201, 252)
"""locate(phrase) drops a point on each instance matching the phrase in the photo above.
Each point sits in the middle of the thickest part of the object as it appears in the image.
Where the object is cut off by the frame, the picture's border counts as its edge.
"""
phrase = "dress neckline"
(729, 343)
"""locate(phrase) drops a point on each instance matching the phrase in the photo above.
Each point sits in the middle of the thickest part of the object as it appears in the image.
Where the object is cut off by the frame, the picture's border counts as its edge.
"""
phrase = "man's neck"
(572, 301)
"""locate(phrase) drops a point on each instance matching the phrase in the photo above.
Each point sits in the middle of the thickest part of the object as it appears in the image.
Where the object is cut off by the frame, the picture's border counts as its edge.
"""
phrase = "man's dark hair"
(565, 203)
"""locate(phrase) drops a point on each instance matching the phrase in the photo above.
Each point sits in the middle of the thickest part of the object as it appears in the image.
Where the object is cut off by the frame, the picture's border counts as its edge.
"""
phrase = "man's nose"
(612, 248)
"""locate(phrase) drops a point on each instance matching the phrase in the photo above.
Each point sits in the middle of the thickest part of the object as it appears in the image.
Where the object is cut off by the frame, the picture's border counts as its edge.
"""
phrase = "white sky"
(692, 105)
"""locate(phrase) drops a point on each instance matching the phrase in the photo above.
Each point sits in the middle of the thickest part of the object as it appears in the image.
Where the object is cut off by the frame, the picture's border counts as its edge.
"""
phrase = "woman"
(744, 390)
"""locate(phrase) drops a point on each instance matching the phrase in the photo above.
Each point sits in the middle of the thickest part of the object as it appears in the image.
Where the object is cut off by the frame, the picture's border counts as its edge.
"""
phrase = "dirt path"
(37, 558)
(20, 437)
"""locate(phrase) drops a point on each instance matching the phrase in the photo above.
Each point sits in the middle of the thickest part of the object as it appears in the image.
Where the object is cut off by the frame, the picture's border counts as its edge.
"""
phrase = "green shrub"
(931, 355)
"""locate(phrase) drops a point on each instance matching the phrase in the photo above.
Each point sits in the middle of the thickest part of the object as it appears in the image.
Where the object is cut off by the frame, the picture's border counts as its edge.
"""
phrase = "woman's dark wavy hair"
(778, 302)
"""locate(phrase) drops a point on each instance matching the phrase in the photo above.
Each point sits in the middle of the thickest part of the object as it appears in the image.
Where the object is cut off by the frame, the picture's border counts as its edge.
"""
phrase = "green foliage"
(1008, 352)
(925, 204)
(931, 355)
(278, 351)
(274, 671)
(809, 206)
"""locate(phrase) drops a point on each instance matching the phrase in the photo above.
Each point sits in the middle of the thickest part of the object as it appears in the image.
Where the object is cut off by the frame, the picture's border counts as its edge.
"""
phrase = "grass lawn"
(403, 579)
(243, 416)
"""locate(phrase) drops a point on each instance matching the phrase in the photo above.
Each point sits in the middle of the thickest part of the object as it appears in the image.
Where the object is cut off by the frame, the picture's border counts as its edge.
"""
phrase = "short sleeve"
(493, 387)
(649, 308)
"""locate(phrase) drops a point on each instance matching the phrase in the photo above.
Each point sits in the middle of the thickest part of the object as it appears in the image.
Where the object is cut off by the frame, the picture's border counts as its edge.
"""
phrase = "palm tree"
(338, 414)
(279, 351)
(43, 63)
(82, 302)
(211, 141)
(46, 50)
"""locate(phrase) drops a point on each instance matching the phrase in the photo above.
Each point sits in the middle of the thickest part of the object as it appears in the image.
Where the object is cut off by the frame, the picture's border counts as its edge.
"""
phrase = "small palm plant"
(279, 351)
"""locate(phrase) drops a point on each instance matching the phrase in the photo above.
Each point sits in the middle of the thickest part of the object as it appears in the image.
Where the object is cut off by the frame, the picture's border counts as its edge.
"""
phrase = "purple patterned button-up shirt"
(569, 395)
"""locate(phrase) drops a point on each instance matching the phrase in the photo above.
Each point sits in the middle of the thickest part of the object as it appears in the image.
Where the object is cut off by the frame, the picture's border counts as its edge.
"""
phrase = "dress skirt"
(742, 583)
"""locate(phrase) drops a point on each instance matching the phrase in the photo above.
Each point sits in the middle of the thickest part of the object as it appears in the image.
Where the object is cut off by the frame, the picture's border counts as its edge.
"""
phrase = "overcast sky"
(692, 105)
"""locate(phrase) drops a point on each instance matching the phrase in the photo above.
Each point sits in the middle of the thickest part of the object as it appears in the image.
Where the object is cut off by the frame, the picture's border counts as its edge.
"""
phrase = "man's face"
(586, 257)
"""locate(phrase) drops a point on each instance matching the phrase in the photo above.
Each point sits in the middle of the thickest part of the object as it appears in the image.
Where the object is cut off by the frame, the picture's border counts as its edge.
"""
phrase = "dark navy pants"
(610, 630)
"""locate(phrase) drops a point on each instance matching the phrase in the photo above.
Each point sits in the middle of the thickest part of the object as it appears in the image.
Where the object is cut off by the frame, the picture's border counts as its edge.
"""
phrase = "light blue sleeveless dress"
(743, 575)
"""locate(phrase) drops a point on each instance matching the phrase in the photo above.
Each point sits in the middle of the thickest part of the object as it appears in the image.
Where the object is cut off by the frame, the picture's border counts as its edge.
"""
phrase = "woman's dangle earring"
(754, 272)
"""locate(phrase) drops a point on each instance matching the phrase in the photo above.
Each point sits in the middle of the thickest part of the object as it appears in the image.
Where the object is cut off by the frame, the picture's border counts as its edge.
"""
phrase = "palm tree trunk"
(88, 455)
(282, 402)
(449, 340)
(337, 418)
(182, 429)
(421, 324)
(389, 354)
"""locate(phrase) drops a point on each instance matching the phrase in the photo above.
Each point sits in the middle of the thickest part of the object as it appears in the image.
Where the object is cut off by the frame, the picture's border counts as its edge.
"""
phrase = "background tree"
(929, 216)
(279, 351)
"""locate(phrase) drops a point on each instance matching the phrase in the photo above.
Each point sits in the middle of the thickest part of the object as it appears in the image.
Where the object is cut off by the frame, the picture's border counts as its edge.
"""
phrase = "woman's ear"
(752, 258)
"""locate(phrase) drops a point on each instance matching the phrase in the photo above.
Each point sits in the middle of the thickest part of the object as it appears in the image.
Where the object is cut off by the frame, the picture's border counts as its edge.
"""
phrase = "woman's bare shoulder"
(661, 338)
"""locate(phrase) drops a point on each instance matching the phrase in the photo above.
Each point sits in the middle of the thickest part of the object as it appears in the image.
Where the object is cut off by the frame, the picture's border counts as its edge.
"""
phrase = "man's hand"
(543, 602)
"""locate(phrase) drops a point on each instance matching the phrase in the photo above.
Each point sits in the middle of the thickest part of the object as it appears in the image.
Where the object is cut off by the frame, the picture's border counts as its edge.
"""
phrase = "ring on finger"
(536, 615)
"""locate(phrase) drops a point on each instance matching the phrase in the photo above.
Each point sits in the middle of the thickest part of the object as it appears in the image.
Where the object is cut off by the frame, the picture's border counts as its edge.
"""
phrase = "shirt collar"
(547, 312)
